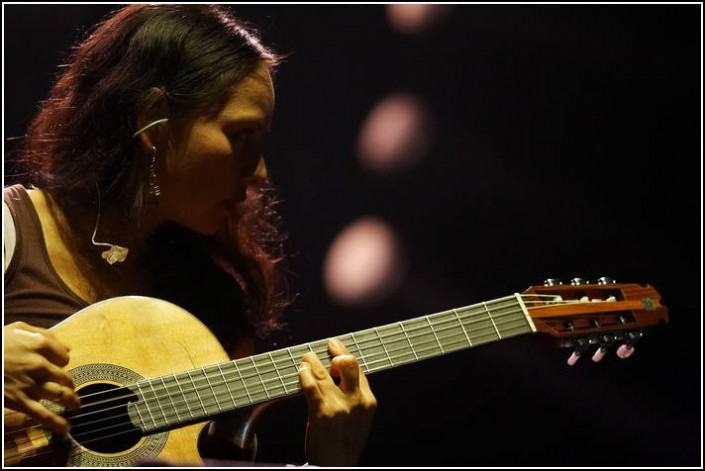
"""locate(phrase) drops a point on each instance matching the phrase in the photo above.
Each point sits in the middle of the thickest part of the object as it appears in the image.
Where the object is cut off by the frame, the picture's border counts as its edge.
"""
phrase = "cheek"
(207, 171)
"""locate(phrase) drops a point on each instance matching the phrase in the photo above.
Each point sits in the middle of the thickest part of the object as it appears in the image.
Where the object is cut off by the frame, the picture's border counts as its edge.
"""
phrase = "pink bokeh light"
(363, 263)
(416, 18)
(396, 134)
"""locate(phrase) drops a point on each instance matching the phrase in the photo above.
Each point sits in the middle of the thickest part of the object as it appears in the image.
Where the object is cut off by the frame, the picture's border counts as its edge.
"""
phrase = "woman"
(148, 179)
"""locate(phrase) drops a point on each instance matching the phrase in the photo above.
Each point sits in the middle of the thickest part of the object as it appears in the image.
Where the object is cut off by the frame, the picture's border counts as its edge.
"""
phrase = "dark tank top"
(34, 292)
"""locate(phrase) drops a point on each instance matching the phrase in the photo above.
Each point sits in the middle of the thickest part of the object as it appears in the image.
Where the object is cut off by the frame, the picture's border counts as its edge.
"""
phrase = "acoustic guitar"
(151, 375)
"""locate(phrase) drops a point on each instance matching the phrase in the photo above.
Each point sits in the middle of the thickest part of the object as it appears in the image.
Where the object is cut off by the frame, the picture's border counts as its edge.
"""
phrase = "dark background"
(567, 143)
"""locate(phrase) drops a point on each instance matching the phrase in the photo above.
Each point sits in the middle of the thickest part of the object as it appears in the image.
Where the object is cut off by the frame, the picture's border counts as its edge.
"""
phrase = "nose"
(261, 169)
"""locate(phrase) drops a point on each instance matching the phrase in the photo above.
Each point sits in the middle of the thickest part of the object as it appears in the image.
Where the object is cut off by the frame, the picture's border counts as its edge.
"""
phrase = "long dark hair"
(83, 136)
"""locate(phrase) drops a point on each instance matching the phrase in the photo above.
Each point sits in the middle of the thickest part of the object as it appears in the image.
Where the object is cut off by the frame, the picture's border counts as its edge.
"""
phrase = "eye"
(240, 139)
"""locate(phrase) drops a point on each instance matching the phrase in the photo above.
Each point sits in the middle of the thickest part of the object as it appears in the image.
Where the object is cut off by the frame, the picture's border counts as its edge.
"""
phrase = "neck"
(76, 225)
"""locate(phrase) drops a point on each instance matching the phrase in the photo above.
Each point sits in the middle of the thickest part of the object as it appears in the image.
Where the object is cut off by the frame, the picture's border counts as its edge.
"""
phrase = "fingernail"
(337, 343)
(303, 366)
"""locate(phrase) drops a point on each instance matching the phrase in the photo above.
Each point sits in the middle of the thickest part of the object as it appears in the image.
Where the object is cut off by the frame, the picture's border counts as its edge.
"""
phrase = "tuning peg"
(580, 346)
(627, 349)
(579, 281)
(552, 282)
(605, 280)
(606, 343)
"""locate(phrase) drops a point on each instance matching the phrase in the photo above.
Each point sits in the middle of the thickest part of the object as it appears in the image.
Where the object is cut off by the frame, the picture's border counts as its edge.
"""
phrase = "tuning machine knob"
(627, 349)
(606, 342)
(552, 282)
(605, 280)
(579, 346)
(579, 281)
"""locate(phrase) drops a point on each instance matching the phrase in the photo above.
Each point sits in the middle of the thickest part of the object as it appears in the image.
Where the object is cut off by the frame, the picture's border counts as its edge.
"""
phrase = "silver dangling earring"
(154, 190)
(115, 253)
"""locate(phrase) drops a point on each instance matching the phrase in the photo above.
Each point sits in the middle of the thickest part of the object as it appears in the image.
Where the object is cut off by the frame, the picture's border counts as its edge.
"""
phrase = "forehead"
(251, 100)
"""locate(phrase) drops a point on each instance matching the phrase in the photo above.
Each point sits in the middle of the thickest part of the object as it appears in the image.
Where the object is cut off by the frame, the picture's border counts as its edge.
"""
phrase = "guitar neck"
(195, 395)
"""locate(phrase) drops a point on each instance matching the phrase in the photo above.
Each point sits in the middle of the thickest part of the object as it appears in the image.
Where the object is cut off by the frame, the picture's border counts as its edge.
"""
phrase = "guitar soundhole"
(102, 424)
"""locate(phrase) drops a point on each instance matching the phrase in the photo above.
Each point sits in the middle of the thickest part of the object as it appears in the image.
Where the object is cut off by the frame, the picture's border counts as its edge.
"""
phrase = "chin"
(206, 222)
(208, 228)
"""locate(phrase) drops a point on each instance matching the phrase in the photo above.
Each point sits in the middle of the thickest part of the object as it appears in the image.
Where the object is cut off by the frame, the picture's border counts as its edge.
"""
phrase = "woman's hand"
(33, 357)
(339, 416)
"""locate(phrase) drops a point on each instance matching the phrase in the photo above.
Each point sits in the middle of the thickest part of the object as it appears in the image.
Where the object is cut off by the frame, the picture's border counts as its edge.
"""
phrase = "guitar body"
(113, 343)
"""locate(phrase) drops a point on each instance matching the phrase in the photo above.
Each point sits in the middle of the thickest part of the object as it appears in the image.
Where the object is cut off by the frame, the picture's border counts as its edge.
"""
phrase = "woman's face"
(205, 175)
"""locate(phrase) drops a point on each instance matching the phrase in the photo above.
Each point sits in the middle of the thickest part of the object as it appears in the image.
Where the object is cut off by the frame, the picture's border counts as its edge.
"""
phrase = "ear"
(152, 107)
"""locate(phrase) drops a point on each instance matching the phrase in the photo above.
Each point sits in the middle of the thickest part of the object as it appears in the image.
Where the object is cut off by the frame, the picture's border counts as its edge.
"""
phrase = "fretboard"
(195, 395)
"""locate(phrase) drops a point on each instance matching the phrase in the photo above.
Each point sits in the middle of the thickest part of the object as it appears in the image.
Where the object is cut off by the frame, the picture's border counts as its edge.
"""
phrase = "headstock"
(583, 314)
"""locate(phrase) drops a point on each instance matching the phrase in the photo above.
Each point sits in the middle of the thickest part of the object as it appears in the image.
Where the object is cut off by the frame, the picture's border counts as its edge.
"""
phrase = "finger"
(49, 346)
(336, 347)
(44, 416)
(309, 385)
(317, 368)
(57, 393)
(347, 368)
(51, 372)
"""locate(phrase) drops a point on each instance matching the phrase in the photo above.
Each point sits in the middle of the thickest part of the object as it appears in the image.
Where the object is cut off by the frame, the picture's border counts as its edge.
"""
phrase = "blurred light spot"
(396, 134)
(363, 264)
(416, 18)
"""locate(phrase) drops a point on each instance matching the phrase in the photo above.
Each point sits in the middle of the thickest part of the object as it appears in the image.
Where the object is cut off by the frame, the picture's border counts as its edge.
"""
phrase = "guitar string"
(276, 363)
(295, 383)
(466, 309)
(292, 383)
(213, 397)
(259, 373)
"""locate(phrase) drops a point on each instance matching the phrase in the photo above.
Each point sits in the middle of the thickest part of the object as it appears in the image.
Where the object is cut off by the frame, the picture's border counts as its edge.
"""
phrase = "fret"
(525, 313)
(359, 353)
(386, 353)
(183, 395)
(225, 383)
(506, 315)
(146, 404)
(136, 407)
(220, 388)
(293, 360)
(215, 395)
(446, 330)
(428, 319)
(156, 399)
(479, 328)
(397, 344)
(277, 374)
(406, 336)
(244, 383)
(297, 352)
(492, 320)
(422, 338)
(259, 376)
(462, 327)
(254, 384)
(195, 390)
(168, 394)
